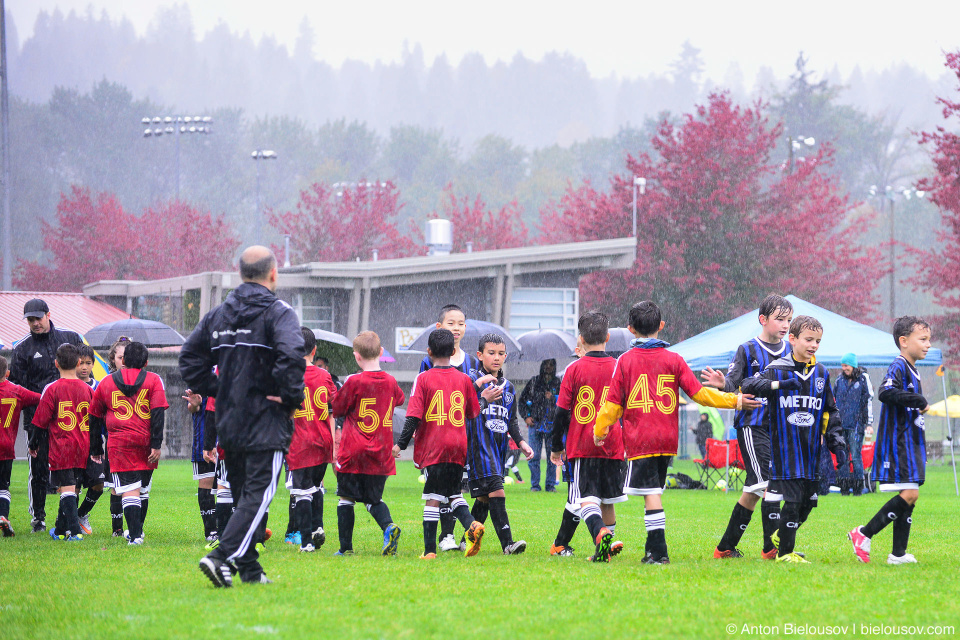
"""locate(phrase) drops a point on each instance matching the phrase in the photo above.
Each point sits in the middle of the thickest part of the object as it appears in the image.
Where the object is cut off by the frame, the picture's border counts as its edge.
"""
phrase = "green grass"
(102, 588)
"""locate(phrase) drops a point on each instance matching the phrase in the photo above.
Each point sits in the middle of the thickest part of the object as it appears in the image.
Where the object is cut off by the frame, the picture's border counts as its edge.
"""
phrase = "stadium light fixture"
(257, 155)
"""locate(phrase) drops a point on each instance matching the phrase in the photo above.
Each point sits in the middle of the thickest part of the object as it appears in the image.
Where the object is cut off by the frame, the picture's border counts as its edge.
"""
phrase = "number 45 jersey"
(366, 402)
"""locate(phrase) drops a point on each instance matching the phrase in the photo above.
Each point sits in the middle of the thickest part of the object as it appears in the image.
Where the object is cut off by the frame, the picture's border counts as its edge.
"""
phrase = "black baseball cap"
(35, 308)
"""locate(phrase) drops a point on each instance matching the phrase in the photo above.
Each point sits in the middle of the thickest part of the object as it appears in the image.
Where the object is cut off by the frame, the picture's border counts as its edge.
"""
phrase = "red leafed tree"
(337, 224)
(95, 238)
(721, 225)
(485, 228)
(939, 268)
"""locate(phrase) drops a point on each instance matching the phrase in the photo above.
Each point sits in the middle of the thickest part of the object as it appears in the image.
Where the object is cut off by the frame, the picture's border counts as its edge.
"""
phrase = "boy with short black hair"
(364, 457)
(487, 440)
(94, 475)
(131, 405)
(644, 392)
(801, 417)
(899, 461)
(441, 402)
(311, 448)
(13, 398)
(599, 472)
(751, 359)
(62, 412)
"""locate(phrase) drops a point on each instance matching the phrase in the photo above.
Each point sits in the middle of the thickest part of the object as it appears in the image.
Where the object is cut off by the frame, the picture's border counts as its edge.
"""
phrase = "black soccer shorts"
(307, 481)
(798, 490)
(93, 475)
(66, 477)
(485, 486)
(755, 449)
(204, 469)
(646, 476)
(222, 474)
(361, 487)
(443, 481)
(124, 481)
(597, 480)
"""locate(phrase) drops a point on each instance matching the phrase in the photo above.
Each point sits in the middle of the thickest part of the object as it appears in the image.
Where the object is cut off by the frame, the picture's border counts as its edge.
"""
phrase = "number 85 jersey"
(583, 391)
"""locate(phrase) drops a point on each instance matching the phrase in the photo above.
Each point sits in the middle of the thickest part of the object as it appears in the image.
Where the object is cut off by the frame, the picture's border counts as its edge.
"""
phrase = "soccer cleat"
(391, 539)
(652, 559)
(428, 556)
(217, 571)
(906, 558)
(213, 536)
(263, 579)
(514, 548)
(136, 542)
(768, 555)
(551, 489)
(260, 548)
(474, 538)
(5, 528)
(793, 558)
(348, 552)
(38, 526)
(118, 533)
(293, 538)
(732, 553)
(615, 548)
(318, 537)
(517, 476)
(861, 544)
(76, 538)
(307, 548)
(85, 525)
(604, 541)
(560, 550)
(53, 534)
(449, 543)
(213, 544)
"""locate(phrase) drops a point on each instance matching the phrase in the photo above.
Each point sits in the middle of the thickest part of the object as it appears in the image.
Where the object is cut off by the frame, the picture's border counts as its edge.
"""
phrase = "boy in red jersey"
(63, 412)
(311, 448)
(598, 472)
(13, 398)
(643, 391)
(366, 401)
(441, 402)
(131, 403)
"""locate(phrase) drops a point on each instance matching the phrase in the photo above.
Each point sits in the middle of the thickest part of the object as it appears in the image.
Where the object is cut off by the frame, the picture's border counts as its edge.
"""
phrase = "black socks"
(568, 527)
(89, 500)
(770, 511)
(380, 513)
(890, 512)
(737, 525)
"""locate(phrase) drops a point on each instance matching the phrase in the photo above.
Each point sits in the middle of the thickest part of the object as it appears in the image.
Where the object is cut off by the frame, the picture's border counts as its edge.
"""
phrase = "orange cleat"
(428, 556)
(474, 537)
(731, 553)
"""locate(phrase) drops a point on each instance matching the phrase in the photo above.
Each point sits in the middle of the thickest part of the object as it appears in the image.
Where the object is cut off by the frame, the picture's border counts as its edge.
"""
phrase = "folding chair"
(722, 455)
(866, 454)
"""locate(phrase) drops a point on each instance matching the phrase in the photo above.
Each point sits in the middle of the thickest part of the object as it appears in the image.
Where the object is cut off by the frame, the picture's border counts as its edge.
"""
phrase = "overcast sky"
(626, 38)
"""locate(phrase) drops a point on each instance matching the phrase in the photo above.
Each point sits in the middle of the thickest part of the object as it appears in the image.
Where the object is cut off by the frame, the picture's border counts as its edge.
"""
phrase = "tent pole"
(946, 411)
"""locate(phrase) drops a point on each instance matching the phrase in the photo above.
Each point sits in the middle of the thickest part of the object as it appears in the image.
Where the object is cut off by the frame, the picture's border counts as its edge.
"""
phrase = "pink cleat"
(861, 545)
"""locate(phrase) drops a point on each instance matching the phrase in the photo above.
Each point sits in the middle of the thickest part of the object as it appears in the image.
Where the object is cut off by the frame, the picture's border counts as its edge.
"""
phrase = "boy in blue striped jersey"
(802, 416)
(487, 440)
(899, 462)
(751, 359)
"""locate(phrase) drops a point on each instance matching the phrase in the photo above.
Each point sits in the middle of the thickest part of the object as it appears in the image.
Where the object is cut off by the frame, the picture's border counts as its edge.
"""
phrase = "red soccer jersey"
(13, 398)
(443, 398)
(366, 401)
(63, 411)
(312, 442)
(645, 384)
(128, 418)
(583, 391)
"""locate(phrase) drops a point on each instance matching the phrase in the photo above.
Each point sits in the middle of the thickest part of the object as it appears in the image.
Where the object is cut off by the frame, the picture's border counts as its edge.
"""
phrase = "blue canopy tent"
(874, 348)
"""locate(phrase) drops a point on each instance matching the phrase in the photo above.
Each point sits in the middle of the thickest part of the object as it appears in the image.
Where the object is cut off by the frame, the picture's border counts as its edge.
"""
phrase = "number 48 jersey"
(366, 402)
(443, 399)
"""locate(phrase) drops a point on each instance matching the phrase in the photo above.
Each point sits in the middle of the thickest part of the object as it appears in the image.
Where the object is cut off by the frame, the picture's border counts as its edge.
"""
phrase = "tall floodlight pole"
(258, 155)
(890, 195)
(176, 126)
(5, 142)
(641, 184)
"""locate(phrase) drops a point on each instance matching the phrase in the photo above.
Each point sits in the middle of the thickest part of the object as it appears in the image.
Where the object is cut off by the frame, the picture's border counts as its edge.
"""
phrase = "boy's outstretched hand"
(193, 400)
(492, 392)
(527, 451)
(713, 378)
(748, 402)
(556, 457)
(396, 451)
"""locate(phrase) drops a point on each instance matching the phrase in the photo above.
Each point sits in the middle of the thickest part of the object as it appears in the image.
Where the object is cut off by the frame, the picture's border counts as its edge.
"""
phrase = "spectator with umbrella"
(538, 406)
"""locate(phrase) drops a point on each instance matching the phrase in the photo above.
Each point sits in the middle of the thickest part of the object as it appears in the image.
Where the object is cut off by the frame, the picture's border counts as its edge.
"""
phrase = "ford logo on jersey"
(801, 419)
(497, 426)
(919, 422)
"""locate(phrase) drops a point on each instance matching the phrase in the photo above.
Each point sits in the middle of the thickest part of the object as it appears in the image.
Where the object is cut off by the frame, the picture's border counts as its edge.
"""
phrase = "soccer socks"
(568, 525)
(590, 514)
(144, 503)
(68, 523)
(480, 510)
(901, 532)
(789, 523)
(345, 522)
(292, 515)
(460, 511)
(770, 511)
(4, 503)
(380, 513)
(132, 513)
(739, 520)
(116, 513)
(890, 512)
(431, 516)
(316, 510)
(501, 521)
(208, 511)
(304, 516)
(224, 508)
(447, 521)
(89, 500)
(655, 521)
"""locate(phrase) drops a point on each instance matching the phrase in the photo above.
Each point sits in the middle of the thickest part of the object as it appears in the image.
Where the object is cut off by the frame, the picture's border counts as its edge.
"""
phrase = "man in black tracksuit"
(33, 366)
(254, 339)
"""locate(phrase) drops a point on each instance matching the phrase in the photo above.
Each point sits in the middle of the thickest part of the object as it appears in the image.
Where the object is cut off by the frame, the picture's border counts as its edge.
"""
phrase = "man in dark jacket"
(254, 339)
(538, 406)
(33, 366)
(853, 393)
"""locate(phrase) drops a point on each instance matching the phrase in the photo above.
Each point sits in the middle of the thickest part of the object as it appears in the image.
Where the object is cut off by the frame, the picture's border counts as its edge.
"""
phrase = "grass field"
(101, 586)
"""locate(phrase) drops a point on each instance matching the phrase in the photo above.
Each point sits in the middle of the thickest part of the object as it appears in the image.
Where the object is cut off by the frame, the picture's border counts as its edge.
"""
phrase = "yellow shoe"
(474, 537)
(794, 558)
(428, 556)
(775, 539)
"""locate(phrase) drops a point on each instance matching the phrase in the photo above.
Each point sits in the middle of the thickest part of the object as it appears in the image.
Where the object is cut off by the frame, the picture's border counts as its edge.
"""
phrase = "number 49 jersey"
(366, 402)
(583, 391)
(312, 442)
(443, 399)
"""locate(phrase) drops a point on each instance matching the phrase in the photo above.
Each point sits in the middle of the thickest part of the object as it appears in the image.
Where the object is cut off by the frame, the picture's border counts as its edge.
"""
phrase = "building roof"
(67, 310)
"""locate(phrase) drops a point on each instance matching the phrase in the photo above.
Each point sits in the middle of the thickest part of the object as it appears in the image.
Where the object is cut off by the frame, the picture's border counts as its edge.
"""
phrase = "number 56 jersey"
(124, 400)
(366, 402)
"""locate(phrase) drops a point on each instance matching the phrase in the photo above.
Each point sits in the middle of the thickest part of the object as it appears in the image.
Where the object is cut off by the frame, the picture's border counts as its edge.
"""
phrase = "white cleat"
(906, 558)
(449, 543)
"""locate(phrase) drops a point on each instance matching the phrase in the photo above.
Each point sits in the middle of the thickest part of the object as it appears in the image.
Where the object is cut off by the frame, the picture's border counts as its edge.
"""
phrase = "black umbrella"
(546, 344)
(337, 349)
(619, 341)
(152, 334)
(471, 338)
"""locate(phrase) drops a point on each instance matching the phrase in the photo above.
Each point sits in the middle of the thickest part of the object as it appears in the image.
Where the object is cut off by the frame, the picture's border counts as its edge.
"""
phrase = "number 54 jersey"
(366, 402)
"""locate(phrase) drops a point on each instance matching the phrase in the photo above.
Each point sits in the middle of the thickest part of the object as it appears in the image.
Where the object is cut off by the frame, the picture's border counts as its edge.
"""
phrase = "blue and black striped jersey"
(752, 357)
(901, 449)
(487, 434)
(199, 418)
(795, 419)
